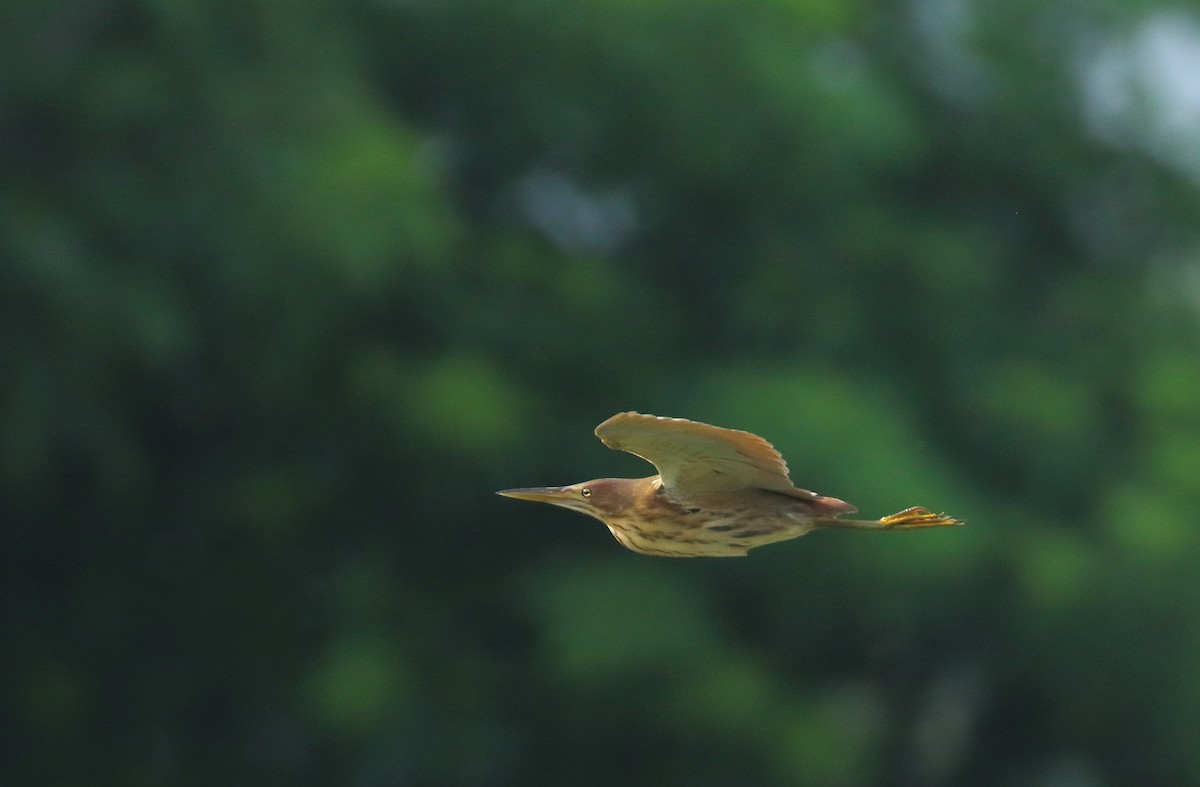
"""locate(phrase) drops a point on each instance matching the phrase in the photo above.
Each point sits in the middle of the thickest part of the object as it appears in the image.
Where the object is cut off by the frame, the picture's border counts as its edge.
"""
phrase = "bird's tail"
(908, 519)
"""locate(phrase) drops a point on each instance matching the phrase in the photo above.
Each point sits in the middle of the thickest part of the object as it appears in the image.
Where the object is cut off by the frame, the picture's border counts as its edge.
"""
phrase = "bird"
(718, 493)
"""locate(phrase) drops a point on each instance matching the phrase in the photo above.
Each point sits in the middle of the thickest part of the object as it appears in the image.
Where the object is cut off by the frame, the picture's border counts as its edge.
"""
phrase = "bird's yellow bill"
(538, 494)
(911, 518)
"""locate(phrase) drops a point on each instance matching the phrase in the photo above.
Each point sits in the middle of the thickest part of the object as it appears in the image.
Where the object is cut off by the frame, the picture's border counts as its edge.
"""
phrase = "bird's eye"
(585, 492)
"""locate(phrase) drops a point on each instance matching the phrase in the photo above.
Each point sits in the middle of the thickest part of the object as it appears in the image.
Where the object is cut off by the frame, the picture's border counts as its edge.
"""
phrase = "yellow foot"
(917, 517)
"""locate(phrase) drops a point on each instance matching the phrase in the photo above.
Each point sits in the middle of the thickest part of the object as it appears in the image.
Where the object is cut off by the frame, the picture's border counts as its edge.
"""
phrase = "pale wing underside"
(693, 457)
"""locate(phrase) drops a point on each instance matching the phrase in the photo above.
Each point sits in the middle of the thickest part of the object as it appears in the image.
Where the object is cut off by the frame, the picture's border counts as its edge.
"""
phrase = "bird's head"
(600, 498)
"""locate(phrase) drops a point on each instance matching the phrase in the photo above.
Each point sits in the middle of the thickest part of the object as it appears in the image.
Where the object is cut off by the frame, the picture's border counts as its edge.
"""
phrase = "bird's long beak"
(538, 494)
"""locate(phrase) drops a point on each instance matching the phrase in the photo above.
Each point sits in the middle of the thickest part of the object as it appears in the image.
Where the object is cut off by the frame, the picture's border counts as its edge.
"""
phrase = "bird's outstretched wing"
(694, 458)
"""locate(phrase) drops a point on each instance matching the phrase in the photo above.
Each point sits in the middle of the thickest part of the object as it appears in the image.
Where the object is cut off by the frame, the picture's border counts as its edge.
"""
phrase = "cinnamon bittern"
(718, 493)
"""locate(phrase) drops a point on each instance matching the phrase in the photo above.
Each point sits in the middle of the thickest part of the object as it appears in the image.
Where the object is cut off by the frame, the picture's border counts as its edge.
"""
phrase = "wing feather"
(696, 457)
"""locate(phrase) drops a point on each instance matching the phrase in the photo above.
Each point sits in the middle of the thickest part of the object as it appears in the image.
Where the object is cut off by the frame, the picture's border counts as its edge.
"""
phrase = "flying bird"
(718, 493)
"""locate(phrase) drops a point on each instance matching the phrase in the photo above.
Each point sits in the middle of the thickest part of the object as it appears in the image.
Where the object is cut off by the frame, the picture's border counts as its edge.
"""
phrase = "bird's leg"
(847, 524)
(908, 519)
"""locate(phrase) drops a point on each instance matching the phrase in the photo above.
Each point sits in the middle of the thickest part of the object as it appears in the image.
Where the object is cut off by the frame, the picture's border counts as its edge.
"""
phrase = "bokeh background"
(287, 290)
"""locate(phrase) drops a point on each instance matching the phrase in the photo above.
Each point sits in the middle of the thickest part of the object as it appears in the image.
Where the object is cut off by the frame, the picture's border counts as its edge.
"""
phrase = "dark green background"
(287, 290)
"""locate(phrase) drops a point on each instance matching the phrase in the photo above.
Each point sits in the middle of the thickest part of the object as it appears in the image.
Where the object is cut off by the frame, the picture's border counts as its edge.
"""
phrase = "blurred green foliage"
(286, 291)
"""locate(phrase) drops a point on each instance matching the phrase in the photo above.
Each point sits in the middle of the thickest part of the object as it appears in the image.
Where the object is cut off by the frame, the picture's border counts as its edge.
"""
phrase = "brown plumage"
(718, 493)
